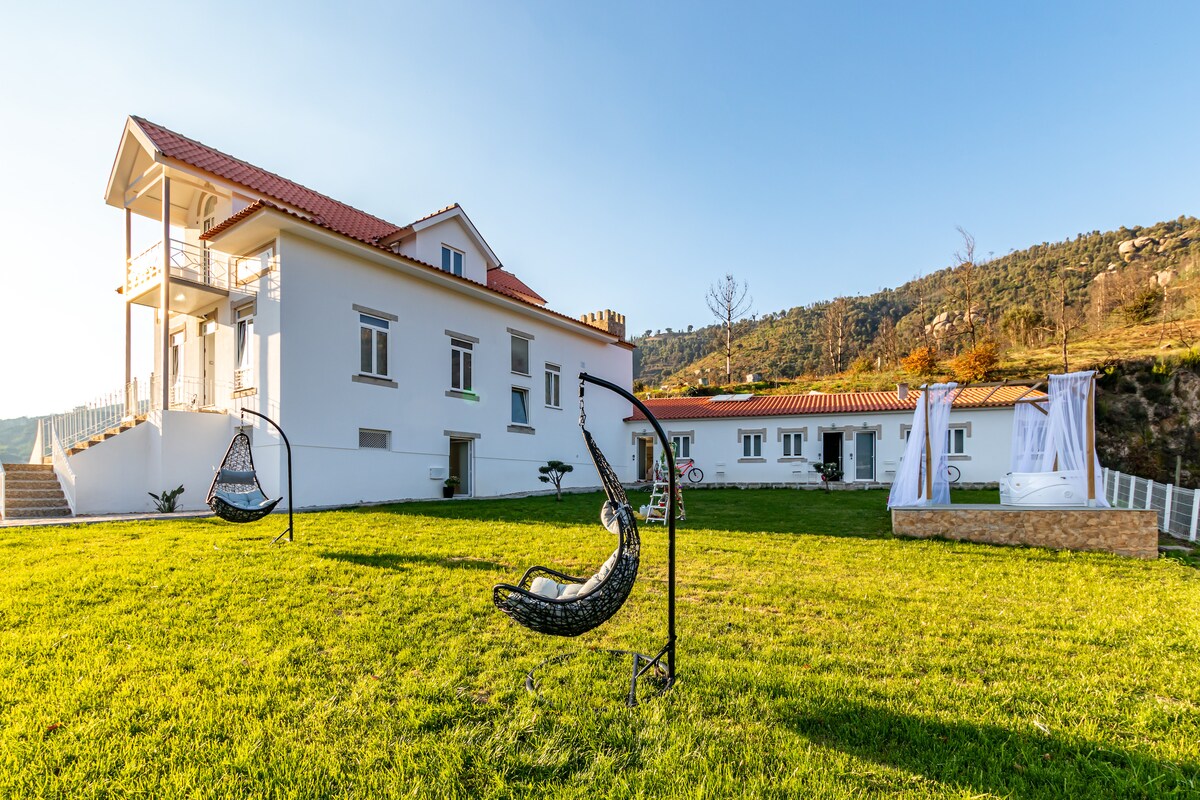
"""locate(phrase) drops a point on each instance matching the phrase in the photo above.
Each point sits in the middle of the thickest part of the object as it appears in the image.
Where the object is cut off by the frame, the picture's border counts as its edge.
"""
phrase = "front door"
(864, 456)
(460, 464)
(831, 448)
(645, 458)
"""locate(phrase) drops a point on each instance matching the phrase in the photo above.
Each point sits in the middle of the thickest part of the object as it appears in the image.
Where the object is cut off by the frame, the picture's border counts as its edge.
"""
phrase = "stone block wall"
(1122, 531)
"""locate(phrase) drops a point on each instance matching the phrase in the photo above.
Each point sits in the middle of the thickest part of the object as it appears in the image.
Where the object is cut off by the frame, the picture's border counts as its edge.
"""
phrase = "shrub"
(977, 364)
(553, 472)
(922, 362)
(165, 503)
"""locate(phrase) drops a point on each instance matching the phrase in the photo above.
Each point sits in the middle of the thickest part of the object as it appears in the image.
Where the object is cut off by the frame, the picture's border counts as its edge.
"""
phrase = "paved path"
(40, 521)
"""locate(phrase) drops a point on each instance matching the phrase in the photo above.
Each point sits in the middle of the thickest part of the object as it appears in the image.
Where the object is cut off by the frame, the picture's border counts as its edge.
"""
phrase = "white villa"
(777, 439)
(393, 356)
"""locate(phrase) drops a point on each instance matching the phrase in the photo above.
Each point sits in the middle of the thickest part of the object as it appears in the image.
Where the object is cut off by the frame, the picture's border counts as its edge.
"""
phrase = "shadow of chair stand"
(548, 601)
(235, 494)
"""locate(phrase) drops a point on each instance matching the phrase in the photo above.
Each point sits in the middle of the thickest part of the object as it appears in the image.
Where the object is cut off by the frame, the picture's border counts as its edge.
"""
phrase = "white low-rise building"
(778, 439)
(394, 356)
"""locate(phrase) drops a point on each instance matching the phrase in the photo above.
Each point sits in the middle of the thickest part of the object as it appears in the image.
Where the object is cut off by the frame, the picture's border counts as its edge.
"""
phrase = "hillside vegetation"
(1088, 286)
(16, 439)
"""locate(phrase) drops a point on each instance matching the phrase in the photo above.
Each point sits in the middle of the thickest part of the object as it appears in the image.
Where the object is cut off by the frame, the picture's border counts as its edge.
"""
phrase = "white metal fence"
(1178, 508)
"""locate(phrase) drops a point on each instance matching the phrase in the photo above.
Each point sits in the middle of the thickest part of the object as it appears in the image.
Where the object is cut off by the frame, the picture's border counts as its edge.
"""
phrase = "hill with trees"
(1046, 294)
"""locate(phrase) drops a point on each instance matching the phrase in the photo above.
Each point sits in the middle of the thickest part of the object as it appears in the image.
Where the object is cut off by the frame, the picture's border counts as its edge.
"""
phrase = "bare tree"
(835, 331)
(728, 302)
(922, 310)
(1062, 317)
(962, 284)
(887, 343)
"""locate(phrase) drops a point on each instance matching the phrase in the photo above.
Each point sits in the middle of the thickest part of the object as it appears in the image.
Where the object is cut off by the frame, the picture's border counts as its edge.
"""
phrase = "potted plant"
(450, 486)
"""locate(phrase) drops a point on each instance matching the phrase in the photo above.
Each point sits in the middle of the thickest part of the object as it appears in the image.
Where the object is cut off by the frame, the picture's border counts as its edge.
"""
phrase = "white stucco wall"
(169, 449)
(306, 354)
(426, 246)
(323, 407)
(717, 447)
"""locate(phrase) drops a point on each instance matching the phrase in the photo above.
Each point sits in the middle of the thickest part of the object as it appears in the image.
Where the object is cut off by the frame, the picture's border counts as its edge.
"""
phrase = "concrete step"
(30, 479)
(37, 513)
(32, 491)
(14, 491)
(108, 434)
(14, 504)
(21, 469)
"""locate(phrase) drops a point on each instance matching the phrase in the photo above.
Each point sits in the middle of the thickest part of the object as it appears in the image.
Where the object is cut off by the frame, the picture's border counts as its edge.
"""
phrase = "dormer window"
(452, 261)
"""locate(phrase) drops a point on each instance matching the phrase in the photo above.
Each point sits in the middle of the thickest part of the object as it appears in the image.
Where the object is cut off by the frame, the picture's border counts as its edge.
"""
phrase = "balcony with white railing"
(200, 275)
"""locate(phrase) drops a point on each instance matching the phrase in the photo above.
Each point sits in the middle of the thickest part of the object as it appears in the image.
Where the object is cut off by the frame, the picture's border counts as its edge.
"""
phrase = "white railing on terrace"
(1178, 508)
(198, 264)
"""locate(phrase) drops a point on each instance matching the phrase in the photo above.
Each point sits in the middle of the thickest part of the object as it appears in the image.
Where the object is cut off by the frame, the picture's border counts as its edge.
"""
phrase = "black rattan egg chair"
(599, 596)
(235, 494)
(551, 602)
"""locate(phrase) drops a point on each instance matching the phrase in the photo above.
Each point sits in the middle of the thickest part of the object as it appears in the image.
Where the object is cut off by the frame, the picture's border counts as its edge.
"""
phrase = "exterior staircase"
(108, 434)
(31, 491)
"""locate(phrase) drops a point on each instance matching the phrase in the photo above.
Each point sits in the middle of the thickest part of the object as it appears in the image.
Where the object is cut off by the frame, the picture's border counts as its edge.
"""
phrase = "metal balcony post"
(165, 293)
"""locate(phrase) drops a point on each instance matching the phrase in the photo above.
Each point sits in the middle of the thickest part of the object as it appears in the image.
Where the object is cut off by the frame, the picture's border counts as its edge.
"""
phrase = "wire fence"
(1178, 508)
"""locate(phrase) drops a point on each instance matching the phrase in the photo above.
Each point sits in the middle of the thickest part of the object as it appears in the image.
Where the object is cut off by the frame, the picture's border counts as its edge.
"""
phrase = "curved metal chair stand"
(235, 494)
(602, 595)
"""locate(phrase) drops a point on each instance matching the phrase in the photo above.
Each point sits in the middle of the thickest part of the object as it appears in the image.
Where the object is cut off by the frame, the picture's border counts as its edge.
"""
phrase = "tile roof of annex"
(785, 405)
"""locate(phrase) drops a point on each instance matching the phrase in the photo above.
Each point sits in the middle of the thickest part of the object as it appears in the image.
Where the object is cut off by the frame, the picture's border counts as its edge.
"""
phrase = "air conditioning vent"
(369, 439)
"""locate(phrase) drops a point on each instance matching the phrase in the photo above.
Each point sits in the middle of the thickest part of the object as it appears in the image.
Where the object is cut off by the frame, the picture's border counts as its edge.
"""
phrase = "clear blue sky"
(620, 155)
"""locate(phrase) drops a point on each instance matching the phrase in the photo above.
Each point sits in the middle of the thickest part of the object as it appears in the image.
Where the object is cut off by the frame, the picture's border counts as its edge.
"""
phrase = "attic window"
(452, 261)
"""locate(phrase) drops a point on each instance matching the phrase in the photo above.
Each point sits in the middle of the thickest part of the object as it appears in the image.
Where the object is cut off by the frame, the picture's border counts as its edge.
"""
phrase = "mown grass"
(819, 657)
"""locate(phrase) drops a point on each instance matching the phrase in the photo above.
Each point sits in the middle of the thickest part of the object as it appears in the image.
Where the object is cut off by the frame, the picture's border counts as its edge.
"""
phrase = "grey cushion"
(236, 476)
(247, 501)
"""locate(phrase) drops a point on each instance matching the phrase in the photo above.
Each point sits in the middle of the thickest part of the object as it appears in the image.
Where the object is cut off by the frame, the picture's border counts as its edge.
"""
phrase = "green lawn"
(819, 657)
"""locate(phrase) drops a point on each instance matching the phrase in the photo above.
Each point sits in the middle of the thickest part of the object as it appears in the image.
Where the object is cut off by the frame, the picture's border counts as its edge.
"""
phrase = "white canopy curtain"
(1066, 447)
(1028, 438)
(909, 486)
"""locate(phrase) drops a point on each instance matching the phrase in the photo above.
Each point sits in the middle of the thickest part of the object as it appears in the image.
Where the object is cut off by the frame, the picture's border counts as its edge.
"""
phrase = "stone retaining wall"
(1125, 532)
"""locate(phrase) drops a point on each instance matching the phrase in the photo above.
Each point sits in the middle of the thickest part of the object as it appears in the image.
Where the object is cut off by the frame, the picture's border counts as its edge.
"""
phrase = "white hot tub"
(1043, 489)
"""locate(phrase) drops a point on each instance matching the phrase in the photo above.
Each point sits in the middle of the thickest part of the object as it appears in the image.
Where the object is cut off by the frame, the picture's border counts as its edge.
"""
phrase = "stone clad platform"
(1123, 531)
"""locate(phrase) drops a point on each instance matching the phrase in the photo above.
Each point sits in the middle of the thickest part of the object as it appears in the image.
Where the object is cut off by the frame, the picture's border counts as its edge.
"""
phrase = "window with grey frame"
(752, 445)
(792, 444)
(373, 345)
(683, 445)
(461, 356)
(520, 355)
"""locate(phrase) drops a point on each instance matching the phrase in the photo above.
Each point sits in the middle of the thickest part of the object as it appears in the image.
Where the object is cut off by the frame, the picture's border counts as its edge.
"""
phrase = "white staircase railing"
(1178, 508)
(138, 398)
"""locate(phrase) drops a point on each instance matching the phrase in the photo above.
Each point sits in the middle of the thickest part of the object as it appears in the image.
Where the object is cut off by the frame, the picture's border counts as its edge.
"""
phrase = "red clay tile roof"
(509, 291)
(786, 405)
(322, 210)
(506, 282)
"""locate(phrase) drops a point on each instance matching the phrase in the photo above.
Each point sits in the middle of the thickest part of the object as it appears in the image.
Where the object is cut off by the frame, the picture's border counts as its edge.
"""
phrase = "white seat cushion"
(546, 588)
(553, 590)
(609, 518)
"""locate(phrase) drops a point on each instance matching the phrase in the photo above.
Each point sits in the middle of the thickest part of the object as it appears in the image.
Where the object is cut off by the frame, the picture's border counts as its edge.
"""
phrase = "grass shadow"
(992, 759)
(402, 561)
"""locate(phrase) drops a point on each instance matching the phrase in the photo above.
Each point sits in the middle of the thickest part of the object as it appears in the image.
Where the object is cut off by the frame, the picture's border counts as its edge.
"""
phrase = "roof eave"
(290, 220)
